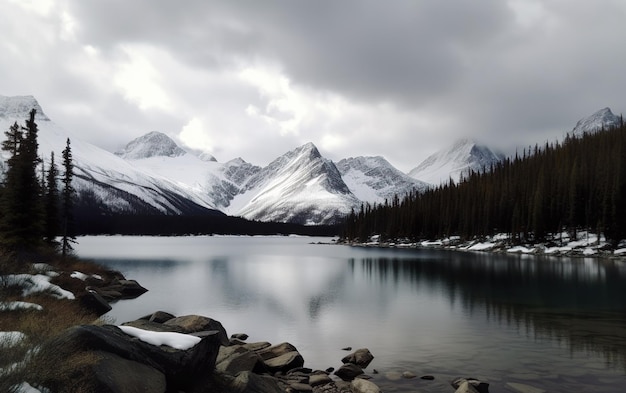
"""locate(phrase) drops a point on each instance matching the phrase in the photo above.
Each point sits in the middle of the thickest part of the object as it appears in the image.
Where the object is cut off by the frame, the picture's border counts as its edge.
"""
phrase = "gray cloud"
(398, 79)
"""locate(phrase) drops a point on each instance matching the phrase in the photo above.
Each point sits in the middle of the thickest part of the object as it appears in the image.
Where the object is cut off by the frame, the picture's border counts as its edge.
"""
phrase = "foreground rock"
(115, 361)
(142, 356)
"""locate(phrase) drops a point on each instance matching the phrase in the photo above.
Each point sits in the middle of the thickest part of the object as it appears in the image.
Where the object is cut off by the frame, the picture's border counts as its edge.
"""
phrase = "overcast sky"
(256, 79)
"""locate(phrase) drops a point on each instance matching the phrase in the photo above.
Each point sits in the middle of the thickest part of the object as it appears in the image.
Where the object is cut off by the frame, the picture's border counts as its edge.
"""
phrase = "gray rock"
(480, 386)
(248, 382)
(408, 375)
(364, 386)
(348, 371)
(146, 324)
(235, 359)
(361, 357)
(297, 387)
(284, 362)
(257, 346)
(114, 374)
(319, 379)
(198, 323)
(466, 387)
(181, 368)
(94, 302)
(276, 350)
(240, 336)
(159, 317)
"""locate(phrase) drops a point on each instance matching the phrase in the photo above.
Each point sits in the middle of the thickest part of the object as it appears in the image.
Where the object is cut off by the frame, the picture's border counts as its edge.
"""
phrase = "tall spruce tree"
(67, 201)
(52, 204)
(22, 221)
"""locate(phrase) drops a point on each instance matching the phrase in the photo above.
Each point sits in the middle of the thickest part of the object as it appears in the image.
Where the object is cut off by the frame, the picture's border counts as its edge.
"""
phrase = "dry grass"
(24, 361)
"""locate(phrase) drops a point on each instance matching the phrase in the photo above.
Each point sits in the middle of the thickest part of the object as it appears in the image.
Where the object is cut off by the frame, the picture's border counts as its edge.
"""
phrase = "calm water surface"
(557, 324)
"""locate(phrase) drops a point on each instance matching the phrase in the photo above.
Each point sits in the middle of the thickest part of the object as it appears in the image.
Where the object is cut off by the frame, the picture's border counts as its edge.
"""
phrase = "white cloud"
(139, 80)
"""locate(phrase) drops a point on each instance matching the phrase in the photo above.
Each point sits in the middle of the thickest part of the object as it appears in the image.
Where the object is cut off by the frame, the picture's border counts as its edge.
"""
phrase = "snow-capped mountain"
(374, 179)
(602, 119)
(152, 144)
(300, 186)
(454, 162)
(103, 180)
(17, 108)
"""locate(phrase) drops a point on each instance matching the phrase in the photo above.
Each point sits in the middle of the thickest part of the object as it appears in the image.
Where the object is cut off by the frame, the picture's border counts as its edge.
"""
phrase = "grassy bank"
(32, 314)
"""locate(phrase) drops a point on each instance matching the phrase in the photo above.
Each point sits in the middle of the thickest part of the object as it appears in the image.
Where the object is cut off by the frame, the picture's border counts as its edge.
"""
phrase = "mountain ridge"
(455, 161)
(154, 175)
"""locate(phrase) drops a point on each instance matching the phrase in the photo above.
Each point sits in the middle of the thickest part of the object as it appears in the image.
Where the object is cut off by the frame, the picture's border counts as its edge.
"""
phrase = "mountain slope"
(454, 162)
(374, 179)
(103, 180)
(602, 119)
(300, 186)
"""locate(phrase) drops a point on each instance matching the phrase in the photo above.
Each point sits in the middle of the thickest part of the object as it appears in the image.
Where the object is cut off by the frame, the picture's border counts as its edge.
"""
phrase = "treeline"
(577, 184)
(36, 201)
(200, 224)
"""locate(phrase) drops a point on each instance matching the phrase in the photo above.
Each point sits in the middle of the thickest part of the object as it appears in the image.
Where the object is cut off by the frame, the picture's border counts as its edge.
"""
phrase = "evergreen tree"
(67, 201)
(52, 203)
(22, 220)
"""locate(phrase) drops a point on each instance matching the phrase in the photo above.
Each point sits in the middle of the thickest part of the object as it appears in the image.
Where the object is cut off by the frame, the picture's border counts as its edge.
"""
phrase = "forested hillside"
(577, 184)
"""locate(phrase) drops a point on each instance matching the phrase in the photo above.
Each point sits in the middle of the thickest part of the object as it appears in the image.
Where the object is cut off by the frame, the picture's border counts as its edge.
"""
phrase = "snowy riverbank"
(584, 244)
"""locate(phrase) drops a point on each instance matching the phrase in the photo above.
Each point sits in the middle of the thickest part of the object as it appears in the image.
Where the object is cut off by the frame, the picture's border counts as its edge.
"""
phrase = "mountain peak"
(152, 144)
(455, 161)
(603, 118)
(19, 107)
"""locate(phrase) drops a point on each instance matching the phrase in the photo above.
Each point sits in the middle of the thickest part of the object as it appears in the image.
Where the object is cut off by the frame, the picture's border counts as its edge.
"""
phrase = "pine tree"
(22, 219)
(52, 203)
(67, 201)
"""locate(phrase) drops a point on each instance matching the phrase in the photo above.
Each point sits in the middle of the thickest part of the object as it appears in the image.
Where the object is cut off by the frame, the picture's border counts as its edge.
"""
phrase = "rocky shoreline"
(584, 244)
(121, 360)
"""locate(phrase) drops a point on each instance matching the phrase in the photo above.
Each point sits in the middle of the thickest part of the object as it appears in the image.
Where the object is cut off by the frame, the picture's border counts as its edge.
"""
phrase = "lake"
(557, 324)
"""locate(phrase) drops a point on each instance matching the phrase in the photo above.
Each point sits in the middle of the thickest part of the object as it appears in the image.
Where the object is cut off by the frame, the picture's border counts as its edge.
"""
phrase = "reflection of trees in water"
(579, 301)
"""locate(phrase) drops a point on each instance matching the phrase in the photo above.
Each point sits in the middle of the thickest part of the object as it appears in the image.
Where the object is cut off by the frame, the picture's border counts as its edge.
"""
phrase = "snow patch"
(25, 387)
(37, 284)
(175, 340)
(11, 339)
(14, 306)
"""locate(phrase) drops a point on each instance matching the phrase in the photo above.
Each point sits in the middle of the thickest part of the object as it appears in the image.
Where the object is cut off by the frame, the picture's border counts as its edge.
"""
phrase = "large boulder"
(360, 385)
(181, 368)
(349, 371)
(114, 374)
(198, 323)
(281, 357)
(235, 359)
(361, 357)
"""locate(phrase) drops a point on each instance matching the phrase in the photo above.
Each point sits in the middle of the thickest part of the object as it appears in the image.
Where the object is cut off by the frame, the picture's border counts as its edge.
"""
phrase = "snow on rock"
(175, 340)
(521, 249)
(38, 283)
(13, 306)
(482, 246)
(620, 251)
(11, 339)
(79, 275)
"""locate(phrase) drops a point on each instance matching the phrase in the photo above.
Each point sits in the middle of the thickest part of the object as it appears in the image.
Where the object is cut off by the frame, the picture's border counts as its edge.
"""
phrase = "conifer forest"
(577, 184)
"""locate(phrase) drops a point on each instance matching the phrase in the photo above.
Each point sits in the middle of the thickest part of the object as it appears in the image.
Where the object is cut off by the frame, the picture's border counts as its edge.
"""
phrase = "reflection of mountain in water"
(578, 301)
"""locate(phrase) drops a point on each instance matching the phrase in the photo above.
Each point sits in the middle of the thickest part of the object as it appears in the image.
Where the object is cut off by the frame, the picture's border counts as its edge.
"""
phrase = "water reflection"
(442, 312)
(577, 301)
